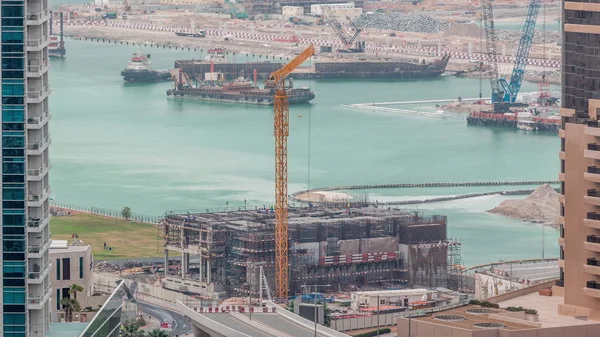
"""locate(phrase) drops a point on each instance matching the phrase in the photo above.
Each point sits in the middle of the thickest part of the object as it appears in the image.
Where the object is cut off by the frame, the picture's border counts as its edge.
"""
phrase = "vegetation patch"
(124, 239)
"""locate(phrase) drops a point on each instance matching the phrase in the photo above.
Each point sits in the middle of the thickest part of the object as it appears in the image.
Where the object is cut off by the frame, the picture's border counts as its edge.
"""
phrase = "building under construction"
(348, 248)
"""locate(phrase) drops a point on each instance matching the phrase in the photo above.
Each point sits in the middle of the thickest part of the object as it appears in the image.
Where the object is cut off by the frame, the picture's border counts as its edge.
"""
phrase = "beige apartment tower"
(580, 161)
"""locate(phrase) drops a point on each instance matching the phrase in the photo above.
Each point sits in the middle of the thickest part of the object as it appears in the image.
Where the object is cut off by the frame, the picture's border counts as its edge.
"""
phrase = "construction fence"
(104, 212)
(364, 322)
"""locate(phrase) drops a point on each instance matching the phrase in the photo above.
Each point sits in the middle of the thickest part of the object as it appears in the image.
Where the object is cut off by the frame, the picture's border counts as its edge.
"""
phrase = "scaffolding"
(347, 247)
(455, 266)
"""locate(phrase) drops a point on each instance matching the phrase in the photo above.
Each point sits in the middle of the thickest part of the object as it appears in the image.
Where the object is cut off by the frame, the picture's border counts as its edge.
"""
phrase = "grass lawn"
(127, 239)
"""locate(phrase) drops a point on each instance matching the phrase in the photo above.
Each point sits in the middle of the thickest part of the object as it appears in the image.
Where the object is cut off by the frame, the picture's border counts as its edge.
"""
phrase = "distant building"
(580, 162)
(70, 265)
(318, 9)
(291, 11)
(368, 299)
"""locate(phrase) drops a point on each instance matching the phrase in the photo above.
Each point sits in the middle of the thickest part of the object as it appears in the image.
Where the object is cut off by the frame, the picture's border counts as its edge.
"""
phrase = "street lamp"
(315, 298)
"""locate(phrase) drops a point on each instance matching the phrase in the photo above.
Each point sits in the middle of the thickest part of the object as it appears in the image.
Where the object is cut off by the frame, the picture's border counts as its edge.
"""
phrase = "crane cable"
(309, 126)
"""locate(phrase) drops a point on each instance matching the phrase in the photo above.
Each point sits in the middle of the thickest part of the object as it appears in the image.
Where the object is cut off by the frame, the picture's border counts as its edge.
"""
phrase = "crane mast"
(490, 41)
(281, 122)
(516, 78)
(504, 94)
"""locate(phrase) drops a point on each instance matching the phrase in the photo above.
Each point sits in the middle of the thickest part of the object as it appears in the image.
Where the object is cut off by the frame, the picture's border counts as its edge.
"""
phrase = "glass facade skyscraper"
(25, 187)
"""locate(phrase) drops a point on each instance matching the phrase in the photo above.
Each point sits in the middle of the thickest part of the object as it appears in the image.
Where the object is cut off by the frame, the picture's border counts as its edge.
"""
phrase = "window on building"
(58, 269)
(13, 295)
(81, 267)
(12, 37)
(66, 272)
(57, 299)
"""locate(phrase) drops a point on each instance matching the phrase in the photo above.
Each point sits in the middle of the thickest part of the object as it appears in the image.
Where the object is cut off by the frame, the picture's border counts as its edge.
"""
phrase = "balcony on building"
(37, 38)
(39, 171)
(36, 224)
(592, 243)
(37, 115)
(592, 288)
(37, 13)
(37, 301)
(38, 147)
(38, 272)
(38, 195)
(37, 91)
(592, 220)
(592, 152)
(37, 66)
(592, 266)
(592, 197)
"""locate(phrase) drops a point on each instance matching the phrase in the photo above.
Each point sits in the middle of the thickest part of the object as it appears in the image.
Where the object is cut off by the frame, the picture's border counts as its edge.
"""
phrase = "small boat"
(526, 125)
(139, 71)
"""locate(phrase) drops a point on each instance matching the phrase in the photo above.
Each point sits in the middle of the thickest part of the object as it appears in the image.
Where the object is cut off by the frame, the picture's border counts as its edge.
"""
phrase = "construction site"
(225, 253)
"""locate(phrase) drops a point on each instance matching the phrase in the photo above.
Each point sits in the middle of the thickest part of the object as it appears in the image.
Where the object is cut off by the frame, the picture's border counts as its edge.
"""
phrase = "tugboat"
(139, 71)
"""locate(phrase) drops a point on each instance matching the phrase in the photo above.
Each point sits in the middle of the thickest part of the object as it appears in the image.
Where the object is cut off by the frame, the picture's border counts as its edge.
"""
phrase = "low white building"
(368, 299)
(71, 265)
(318, 10)
(291, 11)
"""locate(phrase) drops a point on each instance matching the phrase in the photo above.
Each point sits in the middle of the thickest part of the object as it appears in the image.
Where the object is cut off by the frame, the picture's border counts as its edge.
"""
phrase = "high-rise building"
(580, 160)
(25, 187)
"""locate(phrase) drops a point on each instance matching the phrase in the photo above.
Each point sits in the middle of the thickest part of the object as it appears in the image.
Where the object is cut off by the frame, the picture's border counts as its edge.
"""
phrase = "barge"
(514, 121)
(139, 71)
(363, 69)
(241, 91)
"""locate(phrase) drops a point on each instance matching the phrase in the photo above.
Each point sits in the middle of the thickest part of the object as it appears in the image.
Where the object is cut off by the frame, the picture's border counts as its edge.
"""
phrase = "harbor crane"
(281, 122)
(504, 94)
(347, 39)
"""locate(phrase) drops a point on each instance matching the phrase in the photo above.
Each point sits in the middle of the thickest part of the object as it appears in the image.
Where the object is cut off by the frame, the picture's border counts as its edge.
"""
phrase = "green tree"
(74, 289)
(327, 315)
(69, 305)
(131, 328)
(126, 213)
(290, 306)
(157, 333)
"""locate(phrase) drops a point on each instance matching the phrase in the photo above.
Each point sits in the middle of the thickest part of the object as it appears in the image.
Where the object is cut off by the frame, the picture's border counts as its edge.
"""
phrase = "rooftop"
(547, 308)
(60, 246)
(470, 319)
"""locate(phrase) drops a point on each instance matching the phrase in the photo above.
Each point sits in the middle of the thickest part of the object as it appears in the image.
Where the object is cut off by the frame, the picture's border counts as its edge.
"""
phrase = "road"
(180, 327)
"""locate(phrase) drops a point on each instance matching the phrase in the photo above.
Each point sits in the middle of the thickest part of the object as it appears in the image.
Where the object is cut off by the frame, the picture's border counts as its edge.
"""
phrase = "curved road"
(180, 327)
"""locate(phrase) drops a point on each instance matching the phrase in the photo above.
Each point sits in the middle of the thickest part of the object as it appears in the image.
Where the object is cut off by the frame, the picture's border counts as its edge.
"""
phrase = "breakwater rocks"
(298, 196)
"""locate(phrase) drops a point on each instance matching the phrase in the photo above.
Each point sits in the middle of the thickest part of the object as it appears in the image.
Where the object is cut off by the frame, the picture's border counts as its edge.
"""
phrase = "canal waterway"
(116, 145)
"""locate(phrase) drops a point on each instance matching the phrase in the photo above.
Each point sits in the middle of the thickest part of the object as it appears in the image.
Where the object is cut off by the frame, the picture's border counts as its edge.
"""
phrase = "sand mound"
(541, 206)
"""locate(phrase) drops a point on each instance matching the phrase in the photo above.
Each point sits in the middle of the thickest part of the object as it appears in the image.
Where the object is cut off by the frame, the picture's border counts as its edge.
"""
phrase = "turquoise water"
(115, 145)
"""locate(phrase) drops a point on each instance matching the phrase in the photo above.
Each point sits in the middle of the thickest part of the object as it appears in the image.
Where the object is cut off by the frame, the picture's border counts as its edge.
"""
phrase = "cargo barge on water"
(521, 120)
(325, 70)
(214, 88)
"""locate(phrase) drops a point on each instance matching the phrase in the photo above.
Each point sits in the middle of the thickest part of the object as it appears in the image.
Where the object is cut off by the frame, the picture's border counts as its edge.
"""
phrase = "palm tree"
(130, 328)
(69, 305)
(157, 333)
(75, 288)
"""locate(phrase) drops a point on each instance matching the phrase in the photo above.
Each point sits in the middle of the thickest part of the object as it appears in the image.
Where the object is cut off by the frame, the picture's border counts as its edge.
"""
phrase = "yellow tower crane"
(282, 130)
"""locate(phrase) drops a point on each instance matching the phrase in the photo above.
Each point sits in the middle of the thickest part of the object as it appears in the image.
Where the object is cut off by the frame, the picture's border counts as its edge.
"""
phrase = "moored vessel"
(139, 71)
(241, 91)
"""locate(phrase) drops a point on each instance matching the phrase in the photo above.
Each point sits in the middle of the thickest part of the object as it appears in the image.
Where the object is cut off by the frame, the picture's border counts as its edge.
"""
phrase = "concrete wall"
(106, 282)
(487, 286)
(347, 324)
(521, 292)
